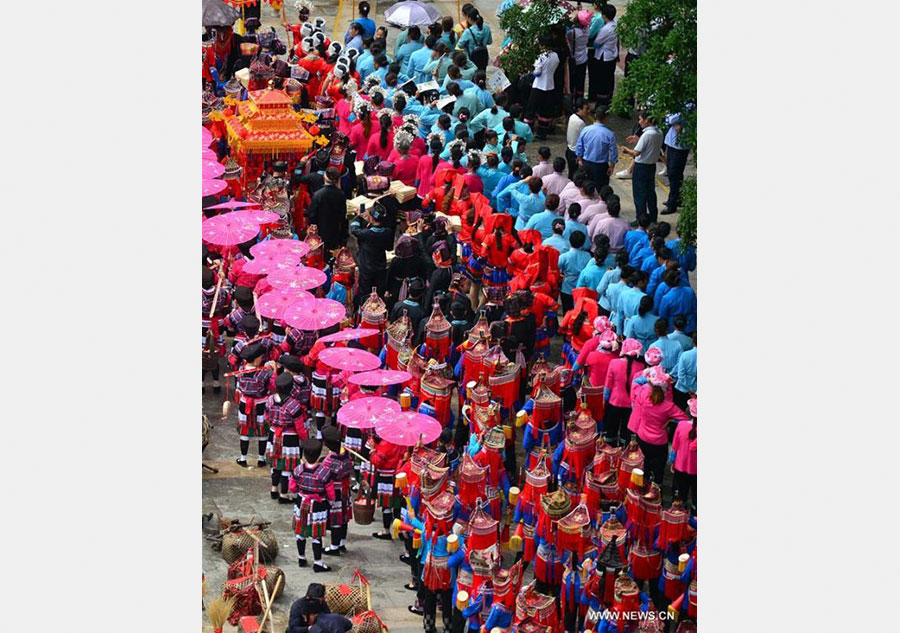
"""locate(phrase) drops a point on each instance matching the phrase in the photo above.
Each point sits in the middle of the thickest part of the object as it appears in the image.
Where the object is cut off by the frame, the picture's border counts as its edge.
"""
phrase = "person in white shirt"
(577, 121)
(643, 180)
(540, 101)
(602, 68)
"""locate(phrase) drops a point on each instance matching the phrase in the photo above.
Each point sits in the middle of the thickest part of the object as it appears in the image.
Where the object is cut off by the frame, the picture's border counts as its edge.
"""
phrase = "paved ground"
(243, 493)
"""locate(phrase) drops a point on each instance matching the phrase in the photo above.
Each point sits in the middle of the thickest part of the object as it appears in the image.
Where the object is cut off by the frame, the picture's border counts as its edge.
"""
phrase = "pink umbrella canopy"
(212, 187)
(273, 262)
(380, 378)
(226, 230)
(366, 413)
(273, 304)
(207, 137)
(291, 246)
(298, 277)
(208, 154)
(408, 427)
(348, 335)
(259, 216)
(317, 315)
(233, 204)
(349, 359)
(212, 169)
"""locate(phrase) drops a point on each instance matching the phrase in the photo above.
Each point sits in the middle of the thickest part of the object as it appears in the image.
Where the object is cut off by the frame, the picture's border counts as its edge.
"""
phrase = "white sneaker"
(623, 175)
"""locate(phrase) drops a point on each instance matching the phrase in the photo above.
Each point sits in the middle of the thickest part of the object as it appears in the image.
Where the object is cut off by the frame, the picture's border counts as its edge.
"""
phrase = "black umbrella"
(217, 13)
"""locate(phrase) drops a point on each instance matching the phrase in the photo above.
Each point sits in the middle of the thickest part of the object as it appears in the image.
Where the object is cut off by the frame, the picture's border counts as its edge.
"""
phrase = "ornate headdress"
(482, 529)
(402, 135)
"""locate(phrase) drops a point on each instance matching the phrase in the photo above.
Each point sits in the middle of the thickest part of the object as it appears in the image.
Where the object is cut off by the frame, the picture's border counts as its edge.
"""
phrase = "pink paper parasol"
(225, 230)
(349, 359)
(408, 427)
(207, 137)
(274, 304)
(366, 413)
(259, 216)
(280, 246)
(317, 315)
(348, 335)
(212, 187)
(233, 204)
(380, 378)
(212, 169)
(208, 154)
(271, 263)
(299, 277)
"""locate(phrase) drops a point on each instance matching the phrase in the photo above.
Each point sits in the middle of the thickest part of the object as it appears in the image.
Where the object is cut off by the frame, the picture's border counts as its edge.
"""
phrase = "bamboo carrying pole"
(215, 300)
(269, 603)
(352, 452)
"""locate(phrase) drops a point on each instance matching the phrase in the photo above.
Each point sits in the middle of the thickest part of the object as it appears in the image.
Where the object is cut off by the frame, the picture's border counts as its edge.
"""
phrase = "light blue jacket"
(686, 371)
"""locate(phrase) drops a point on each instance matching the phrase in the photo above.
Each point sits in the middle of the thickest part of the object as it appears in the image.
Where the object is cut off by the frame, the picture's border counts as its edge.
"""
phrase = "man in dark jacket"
(328, 211)
(412, 305)
(331, 623)
(306, 610)
(374, 241)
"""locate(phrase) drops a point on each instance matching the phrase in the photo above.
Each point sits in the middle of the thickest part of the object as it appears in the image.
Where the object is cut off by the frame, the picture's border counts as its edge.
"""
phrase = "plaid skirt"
(388, 496)
(252, 423)
(277, 330)
(340, 512)
(310, 516)
(283, 450)
(319, 399)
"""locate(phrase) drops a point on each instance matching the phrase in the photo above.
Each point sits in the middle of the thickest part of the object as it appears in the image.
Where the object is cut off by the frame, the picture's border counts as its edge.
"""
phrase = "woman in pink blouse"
(650, 415)
(382, 143)
(361, 130)
(617, 390)
(429, 164)
(684, 445)
(405, 165)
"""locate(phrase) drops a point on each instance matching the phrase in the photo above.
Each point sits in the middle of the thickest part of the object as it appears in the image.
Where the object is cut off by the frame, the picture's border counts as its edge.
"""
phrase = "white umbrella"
(411, 13)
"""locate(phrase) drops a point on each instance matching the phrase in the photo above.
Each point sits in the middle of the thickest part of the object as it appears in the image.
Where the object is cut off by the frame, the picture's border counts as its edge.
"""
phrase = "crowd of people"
(554, 342)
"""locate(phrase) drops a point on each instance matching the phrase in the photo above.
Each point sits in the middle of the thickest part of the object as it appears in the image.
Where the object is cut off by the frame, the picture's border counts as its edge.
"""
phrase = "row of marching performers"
(587, 522)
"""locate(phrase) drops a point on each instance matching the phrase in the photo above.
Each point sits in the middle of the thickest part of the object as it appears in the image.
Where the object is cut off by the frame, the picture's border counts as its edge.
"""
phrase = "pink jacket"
(685, 448)
(358, 139)
(650, 421)
(617, 382)
(425, 175)
(405, 168)
(597, 363)
(374, 148)
(343, 108)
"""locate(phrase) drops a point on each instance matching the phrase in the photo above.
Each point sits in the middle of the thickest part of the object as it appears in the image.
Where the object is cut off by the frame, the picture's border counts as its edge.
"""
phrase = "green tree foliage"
(687, 212)
(525, 25)
(663, 78)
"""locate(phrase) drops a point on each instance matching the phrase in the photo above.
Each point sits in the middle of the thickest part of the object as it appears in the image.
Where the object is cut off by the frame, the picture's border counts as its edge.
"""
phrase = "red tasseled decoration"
(469, 493)
(570, 542)
(438, 348)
